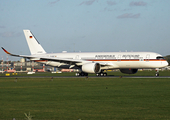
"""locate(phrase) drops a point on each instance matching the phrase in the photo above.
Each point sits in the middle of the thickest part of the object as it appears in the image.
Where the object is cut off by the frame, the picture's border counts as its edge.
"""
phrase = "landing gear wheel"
(105, 74)
(98, 74)
(157, 74)
(85, 74)
(101, 74)
(77, 74)
(81, 74)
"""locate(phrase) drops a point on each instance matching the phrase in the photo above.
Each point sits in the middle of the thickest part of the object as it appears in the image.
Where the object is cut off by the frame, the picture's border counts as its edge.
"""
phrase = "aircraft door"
(119, 58)
(147, 57)
(77, 57)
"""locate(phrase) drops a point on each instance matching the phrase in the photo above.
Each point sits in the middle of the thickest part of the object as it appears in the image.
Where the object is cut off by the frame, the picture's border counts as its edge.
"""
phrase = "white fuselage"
(112, 60)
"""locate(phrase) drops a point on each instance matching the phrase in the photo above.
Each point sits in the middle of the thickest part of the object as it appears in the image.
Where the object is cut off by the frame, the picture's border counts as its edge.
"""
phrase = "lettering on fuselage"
(118, 56)
(130, 56)
(53, 56)
(105, 57)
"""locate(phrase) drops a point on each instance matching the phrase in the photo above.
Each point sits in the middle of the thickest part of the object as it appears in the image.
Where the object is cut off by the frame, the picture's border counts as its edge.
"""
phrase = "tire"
(101, 74)
(157, 74)
(77, 74)
(85, 74)
(105, 74)
(98, 74)
(82, 74)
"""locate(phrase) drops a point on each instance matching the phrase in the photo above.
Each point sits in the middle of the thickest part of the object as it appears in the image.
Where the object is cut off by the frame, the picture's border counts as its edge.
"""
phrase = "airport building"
(28, 66)
(22, 65)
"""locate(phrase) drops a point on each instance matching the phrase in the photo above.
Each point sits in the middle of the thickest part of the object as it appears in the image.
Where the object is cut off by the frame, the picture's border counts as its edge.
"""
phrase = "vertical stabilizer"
(33, 44)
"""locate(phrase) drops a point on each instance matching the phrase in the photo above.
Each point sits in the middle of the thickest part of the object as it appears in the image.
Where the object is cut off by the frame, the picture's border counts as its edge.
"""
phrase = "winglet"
(16, 55)
(5, 50)
(10, 53)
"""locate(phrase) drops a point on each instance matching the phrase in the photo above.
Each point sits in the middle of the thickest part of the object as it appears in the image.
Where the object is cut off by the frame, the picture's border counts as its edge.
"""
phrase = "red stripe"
(111, 60)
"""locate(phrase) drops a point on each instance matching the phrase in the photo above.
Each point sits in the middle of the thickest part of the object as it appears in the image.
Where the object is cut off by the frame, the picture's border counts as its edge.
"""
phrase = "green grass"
(85, 99)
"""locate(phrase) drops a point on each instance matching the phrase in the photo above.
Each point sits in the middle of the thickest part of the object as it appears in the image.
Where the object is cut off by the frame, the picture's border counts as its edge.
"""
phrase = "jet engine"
(129, 71)
(91, 68)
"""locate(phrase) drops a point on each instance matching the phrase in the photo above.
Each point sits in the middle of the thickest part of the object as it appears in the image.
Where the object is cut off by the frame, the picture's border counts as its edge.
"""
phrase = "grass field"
(85, 99)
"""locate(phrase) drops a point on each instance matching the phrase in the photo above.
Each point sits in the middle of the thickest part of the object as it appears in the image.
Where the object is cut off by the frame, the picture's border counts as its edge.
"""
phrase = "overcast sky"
(86, 25)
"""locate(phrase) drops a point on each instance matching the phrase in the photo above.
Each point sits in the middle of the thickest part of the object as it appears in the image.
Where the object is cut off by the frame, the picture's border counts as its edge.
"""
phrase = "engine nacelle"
(91, 68)
(129, 71)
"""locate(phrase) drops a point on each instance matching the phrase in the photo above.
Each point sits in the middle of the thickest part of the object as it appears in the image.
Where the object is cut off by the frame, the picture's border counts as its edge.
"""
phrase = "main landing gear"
(101, 74)
(82, 74)
(86, 74)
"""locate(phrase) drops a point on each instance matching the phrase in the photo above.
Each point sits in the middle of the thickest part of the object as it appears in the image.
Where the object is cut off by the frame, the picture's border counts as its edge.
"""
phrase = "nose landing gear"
(157, 72)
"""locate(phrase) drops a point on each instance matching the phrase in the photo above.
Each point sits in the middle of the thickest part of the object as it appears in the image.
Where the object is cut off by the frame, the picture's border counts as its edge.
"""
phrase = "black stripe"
(35, 37)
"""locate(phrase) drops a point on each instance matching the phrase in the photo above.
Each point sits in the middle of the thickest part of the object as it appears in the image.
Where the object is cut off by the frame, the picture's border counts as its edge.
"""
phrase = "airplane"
(93, 62)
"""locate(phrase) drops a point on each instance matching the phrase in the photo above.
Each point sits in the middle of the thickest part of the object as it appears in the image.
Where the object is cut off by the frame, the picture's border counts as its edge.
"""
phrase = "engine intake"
(129, 71)
(91, 68)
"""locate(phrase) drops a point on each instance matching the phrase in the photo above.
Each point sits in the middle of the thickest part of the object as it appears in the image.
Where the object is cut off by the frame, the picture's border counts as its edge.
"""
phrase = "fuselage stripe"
(124, 60)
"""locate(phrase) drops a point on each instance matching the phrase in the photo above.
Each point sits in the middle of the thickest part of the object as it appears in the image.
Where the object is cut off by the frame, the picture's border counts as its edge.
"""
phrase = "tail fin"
(33, 44)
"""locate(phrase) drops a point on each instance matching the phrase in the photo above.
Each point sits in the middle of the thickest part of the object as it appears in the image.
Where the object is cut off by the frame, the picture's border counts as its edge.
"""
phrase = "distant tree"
(167, 58)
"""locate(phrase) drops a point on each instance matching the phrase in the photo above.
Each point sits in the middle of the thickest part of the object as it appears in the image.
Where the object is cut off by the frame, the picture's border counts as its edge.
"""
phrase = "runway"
(84, 77)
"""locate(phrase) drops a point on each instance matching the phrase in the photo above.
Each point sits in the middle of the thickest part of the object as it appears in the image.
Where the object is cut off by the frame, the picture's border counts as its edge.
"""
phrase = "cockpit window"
(160, 58)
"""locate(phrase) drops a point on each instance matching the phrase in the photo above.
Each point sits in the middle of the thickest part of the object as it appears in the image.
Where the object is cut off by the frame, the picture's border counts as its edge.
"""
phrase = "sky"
(86, 25)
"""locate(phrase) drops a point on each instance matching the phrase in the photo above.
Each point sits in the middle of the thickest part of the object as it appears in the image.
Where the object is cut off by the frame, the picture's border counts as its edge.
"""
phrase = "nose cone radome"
(165, 63)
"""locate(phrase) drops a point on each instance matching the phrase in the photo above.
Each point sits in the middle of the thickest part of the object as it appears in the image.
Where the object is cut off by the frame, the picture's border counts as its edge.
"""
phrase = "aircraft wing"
(80, 62)
(104, 65)
(61, 60)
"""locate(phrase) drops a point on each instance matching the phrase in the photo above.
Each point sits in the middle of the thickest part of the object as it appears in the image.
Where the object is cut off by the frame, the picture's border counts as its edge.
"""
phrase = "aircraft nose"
(166, 63)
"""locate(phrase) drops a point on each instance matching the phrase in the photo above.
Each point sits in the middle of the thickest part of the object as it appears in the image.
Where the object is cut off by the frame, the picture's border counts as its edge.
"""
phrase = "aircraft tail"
(33, 44)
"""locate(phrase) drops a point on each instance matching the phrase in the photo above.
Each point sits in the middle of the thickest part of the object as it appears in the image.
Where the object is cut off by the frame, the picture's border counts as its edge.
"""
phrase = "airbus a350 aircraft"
(93, 62)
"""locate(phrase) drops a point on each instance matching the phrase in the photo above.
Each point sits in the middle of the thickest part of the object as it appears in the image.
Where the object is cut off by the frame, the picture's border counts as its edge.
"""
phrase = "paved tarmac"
(84, 77)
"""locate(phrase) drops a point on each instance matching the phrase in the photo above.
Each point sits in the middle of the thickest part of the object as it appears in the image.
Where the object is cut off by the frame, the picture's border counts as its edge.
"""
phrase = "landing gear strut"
(157, 72)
